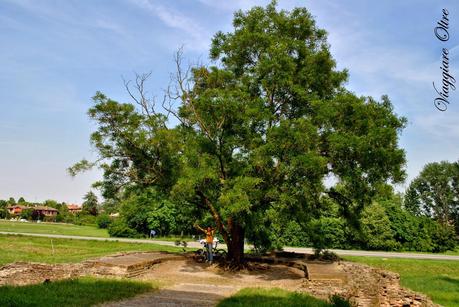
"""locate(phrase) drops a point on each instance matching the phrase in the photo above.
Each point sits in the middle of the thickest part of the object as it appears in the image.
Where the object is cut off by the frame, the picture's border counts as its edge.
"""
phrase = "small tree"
(90, 203)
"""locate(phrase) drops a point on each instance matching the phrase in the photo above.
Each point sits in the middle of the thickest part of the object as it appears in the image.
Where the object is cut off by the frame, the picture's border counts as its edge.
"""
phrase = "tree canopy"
(259, 132)
(435, 193)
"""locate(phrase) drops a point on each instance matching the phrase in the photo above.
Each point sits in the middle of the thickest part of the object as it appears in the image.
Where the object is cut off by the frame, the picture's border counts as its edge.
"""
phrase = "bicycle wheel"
(221, 254)
(200, 255)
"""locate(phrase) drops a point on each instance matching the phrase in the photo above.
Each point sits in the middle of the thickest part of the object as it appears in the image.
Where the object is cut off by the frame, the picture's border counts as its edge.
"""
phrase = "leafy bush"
(119, 228)
(327, 232)
(27, 213)
(376, 229)
(82, 218)
(4, 213)
(103, 221)
(442, 237)
(49, 219)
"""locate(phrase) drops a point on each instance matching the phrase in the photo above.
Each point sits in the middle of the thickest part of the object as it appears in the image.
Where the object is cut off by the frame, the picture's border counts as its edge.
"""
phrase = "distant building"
(74, 208)
(46, 211)
(16, 209)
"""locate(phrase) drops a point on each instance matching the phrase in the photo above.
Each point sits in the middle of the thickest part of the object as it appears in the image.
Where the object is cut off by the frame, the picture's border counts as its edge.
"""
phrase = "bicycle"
(201, 254)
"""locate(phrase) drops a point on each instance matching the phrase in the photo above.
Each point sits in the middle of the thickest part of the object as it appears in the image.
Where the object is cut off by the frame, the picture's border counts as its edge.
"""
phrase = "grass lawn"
(438, 279)
(455, 252)
(255, 297)
(33, 249)
(53, 228)
(73, 292)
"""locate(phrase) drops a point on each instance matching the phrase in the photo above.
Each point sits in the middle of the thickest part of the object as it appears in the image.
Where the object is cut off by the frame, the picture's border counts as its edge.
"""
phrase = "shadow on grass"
(72, 292)
(451, 280)
(275, 297)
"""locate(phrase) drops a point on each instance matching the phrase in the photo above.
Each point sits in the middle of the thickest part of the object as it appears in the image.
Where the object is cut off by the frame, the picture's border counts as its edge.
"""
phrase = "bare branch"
(147, 105)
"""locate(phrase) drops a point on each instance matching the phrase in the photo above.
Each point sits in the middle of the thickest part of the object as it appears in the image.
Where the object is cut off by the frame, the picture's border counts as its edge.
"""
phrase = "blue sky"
(54, 56)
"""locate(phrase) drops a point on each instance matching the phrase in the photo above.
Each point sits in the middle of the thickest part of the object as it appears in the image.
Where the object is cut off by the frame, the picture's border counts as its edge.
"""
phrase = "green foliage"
(376, 229)
(90, 203)
(119, 228)
(258, 134)
(103, 221)
(82, 218)
(144, 210)
(435, 193)
(328, 232)
(27, 213)
(4, 213)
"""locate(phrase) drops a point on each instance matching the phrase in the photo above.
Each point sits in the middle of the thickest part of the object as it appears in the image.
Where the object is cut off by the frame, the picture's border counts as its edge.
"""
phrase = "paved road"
(340, 252)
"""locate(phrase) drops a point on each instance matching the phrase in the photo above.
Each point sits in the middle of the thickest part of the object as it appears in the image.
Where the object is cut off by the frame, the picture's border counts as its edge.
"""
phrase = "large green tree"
(435, 193)
(259, 132)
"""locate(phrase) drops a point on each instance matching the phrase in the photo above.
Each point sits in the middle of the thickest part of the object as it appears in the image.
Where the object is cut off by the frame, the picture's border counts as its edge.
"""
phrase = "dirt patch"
(23, 273)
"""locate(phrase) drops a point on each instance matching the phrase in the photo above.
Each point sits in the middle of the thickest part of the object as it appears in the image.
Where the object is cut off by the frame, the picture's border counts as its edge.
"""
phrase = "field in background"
(438, 279)
(47, 250)
(53, 228)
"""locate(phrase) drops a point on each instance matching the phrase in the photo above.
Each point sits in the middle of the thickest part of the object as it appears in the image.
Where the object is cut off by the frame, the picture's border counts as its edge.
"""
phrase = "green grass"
(255, 297)
(73, 292)
(454, 252)
(438, 279)
(53, 228)
(34, 249)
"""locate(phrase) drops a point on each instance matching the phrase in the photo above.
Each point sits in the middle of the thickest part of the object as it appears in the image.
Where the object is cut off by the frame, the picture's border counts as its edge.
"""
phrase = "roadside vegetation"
(435, 278)
(47, 250)
(74, 292)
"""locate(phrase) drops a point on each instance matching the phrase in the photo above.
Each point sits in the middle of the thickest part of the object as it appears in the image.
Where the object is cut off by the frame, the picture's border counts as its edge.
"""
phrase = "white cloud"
(198, 37)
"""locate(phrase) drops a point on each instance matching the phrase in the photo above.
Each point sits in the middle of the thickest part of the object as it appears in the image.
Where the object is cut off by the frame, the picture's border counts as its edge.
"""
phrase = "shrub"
(327, 232)
(27, 213)
(376, 229)
(103, 221)
(119, 228)
(4, 214)
(49, 219)
(82, 218)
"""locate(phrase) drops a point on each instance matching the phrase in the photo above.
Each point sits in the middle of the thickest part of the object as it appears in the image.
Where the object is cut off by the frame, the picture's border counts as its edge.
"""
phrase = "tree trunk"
(236, 244)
